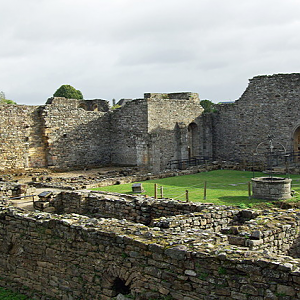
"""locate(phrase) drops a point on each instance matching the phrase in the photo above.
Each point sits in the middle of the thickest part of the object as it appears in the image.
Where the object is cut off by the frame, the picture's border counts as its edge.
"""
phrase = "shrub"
(68, 92)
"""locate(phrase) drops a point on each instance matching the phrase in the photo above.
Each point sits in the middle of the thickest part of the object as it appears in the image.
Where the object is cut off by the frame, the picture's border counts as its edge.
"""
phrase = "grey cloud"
(123, 48)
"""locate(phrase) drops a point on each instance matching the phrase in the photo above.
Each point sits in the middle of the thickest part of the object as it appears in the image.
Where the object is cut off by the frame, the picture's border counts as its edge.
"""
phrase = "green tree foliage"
(208, 106)
(68, 92)
(3, 99)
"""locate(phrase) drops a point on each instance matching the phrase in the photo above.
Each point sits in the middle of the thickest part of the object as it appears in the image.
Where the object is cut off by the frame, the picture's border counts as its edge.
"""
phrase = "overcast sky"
(124, 48)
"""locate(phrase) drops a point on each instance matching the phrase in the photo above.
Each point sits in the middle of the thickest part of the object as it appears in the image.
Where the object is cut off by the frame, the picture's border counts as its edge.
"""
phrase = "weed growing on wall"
(9, 295)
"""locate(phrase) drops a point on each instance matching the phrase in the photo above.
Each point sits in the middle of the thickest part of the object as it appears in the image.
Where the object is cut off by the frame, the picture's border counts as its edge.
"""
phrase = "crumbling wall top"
(180, 95)
(88, 105)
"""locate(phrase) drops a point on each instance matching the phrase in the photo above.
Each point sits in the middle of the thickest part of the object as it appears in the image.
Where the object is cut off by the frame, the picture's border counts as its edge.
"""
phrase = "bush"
(68, 92)
(208, 106)
(3, 99)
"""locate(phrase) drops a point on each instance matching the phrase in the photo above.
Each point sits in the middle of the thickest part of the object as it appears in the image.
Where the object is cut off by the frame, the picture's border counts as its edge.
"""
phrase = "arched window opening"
(193, 140)
(297, 140)
(83, 106)
(296, 144)
(119, 287)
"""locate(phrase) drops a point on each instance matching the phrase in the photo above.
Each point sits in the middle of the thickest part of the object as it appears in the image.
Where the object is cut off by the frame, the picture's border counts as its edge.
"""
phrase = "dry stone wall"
(138, 209)
(76, 257)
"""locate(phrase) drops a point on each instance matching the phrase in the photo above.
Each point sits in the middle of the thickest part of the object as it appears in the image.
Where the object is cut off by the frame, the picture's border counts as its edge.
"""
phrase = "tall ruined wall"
(206, 135)
(75, 137)
(21, 145)
(61, 134)
(129, 134)
(270, 105)
(171, 137)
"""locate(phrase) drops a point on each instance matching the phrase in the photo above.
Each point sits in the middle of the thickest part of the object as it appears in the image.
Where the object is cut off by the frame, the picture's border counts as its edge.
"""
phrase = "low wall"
(76, 257)
(135, 208)
(275, 231)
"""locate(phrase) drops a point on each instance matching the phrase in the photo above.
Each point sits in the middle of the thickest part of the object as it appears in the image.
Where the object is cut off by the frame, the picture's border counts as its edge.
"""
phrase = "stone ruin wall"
(149, 132)
(75, 137)
(169, 116)
(268, 106)
(20, 137)
(145, 131)
(129, 134)
(72, 256)
(59, 134)
(68, 133)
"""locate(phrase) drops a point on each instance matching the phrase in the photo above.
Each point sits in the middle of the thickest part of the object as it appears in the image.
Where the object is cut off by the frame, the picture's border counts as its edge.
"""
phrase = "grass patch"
(9, 295)
(224, 187)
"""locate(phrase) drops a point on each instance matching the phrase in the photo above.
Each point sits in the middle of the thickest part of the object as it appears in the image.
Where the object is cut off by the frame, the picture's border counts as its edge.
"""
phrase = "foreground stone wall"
(76, 257)
(275, 231)
(138, 209)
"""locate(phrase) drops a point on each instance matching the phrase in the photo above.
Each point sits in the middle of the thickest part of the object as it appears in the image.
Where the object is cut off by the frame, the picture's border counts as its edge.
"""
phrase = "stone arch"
(118, 280)
(296, 143)
(82, 105)
(296, 138)
(95, 107)
(193, 140)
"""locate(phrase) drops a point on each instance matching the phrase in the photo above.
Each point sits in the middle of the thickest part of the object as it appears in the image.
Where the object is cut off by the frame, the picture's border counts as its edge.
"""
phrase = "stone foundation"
(188, 251)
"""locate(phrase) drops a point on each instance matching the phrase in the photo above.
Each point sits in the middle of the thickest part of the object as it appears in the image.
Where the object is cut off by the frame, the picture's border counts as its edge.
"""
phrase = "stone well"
(271, 188)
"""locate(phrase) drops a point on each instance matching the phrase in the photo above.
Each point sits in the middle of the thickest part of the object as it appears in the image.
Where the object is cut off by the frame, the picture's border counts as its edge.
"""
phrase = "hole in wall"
(119, 287)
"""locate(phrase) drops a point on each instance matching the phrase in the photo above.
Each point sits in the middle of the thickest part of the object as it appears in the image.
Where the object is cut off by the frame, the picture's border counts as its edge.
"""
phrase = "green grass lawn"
(223, 187)
(9, 295)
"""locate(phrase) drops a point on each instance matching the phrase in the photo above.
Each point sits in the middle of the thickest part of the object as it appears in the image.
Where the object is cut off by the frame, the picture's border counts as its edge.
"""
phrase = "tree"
(208, 106)
(3, 99)
(68, 92)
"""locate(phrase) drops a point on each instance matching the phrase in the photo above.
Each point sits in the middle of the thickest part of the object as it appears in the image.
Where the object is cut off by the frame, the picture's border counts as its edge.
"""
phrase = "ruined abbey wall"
(20, 137)
(153, 131)
(169, 117)
(61, 134)
(75, 137)
(269, 106)
(129, 134)
(72, 256)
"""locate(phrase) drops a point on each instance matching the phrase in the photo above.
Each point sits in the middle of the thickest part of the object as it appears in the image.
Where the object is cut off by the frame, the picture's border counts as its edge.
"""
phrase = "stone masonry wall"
(75, 137)
(21, 144)
(267, 107)
(275, 231)
(129, 134)
(138, 209)
(76, 257)
(169, 117)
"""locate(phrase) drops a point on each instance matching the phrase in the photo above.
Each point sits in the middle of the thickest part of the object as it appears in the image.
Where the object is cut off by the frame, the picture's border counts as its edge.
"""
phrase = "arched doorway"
(193, 140)
(83, 106)
(296, 139)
